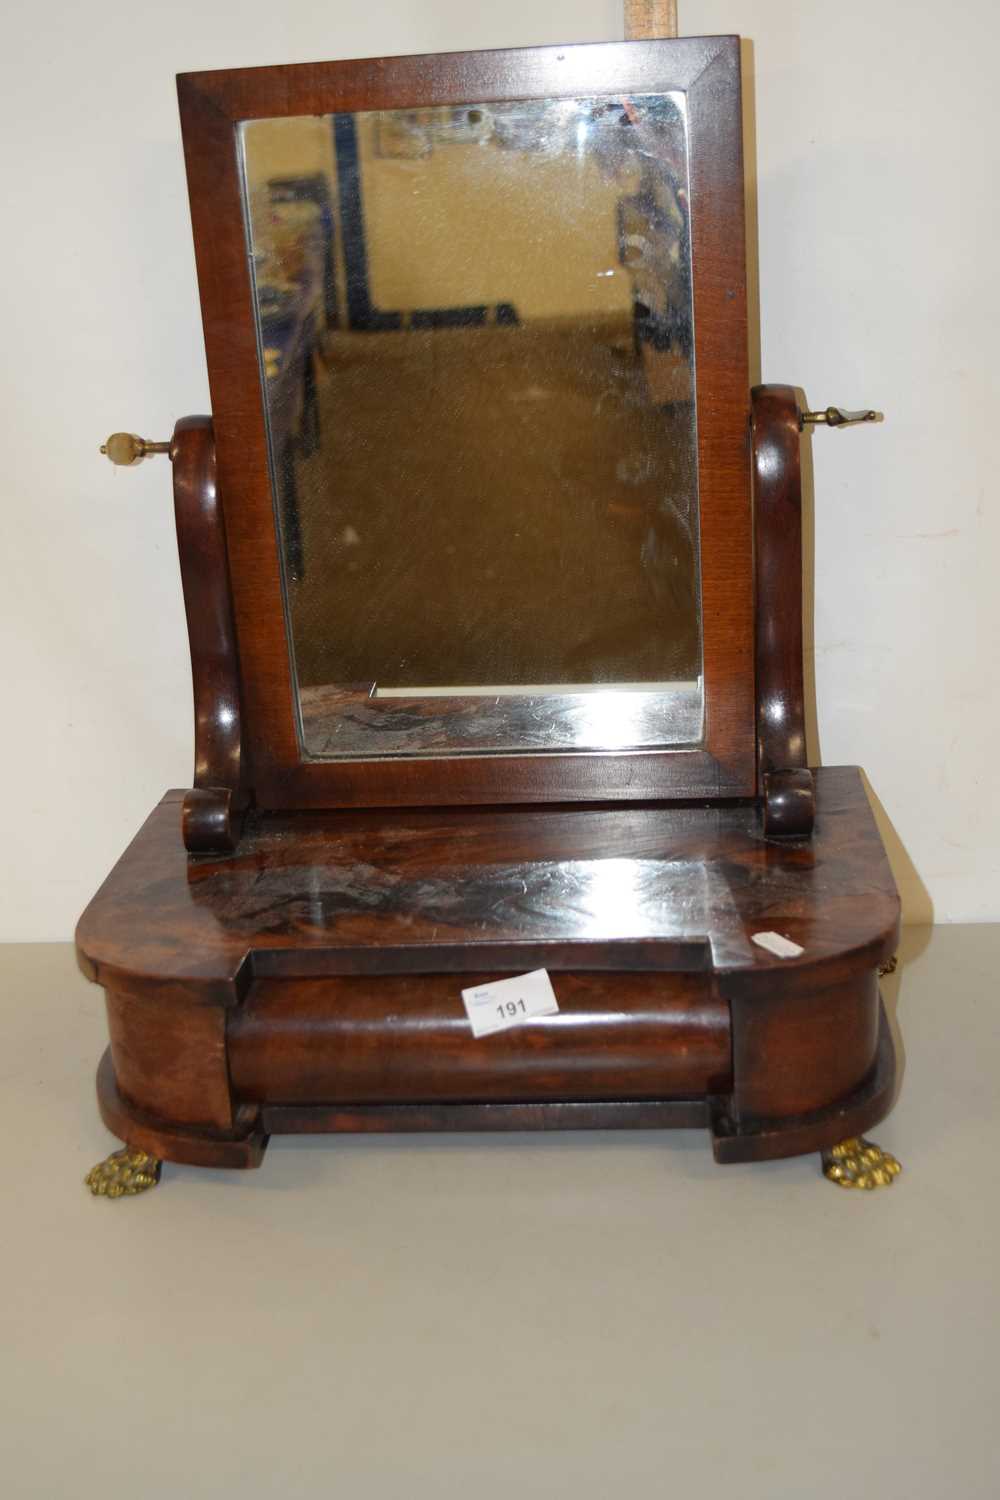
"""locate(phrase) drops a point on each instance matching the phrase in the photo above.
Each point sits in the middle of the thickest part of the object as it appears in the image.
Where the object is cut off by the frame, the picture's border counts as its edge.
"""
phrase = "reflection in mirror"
(476, 342)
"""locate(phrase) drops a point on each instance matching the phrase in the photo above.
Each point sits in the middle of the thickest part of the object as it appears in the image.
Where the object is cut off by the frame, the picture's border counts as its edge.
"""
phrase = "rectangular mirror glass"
(476, 344)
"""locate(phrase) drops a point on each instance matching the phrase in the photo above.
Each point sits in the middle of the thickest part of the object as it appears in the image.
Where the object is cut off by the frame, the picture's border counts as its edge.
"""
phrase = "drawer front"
(390, 1039)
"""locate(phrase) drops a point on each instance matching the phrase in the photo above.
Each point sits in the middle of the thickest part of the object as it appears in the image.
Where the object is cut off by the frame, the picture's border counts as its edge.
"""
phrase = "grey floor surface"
(590, 1316)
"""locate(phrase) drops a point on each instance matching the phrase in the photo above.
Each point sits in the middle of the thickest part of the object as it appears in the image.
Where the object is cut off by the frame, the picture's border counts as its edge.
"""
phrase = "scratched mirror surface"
(477, 358)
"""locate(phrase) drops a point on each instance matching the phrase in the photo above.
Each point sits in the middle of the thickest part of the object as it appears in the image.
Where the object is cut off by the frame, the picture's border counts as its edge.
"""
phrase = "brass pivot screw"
(836, 416)
(126, 449)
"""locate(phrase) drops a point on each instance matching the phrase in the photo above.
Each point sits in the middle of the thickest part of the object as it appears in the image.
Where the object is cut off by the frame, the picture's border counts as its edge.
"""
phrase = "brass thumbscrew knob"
(836, 416)
(126, 449)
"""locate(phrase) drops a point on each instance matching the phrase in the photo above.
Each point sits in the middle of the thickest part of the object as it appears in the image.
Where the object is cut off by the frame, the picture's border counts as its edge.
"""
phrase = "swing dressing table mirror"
(492, 571)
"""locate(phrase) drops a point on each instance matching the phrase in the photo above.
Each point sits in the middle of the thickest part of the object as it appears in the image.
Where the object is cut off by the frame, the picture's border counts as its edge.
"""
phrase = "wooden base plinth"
(760, 1140)
(171, 1142)
(311, 981)
(796, 1135)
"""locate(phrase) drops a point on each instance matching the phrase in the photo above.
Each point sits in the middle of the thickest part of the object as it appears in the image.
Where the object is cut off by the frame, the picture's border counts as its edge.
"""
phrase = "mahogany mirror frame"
(254, 723)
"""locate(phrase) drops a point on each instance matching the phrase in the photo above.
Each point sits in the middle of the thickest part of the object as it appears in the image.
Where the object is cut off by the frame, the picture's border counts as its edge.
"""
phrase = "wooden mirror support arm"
(212, 812)
(786, 784)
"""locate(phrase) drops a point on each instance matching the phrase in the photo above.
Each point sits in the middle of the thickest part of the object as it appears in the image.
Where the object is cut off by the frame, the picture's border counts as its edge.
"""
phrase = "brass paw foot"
(859, 1163)
(123, 1173)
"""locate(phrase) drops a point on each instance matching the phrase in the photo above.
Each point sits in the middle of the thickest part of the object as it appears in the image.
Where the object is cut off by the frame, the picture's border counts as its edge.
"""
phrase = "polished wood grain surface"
(636, 1036)
(776, 439)
(374, 1119)
(211, 810)
(707, 70)
(784, 781)
(171, 1054)
(312, 979)
(243, 1147)
(765, 1138)
(475, 889)
(777, 1065)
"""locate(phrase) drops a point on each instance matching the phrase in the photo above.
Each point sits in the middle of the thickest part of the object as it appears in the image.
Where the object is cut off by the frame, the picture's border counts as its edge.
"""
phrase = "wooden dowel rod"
(646, 20)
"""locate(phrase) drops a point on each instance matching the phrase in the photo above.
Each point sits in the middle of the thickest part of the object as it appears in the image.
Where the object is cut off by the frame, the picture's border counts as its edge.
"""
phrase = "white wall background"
(877, 156)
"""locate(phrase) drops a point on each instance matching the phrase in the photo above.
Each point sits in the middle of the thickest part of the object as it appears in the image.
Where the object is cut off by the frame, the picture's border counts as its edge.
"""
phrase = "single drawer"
(395, 1038)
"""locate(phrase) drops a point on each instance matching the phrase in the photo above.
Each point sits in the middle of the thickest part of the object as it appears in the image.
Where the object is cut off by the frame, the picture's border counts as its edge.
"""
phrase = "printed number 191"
(509, 1002)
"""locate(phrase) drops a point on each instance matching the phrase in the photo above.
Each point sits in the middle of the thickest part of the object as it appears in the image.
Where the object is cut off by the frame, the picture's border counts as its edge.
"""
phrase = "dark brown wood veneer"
(312, 980)
(212, 810)
(784, 781)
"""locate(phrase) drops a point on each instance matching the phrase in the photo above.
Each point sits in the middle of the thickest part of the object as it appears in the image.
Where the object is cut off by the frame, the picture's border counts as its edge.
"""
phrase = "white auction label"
(509, 1002)
(781, 947)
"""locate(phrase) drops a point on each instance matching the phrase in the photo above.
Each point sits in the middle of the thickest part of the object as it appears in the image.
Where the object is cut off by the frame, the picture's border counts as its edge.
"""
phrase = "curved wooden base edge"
(170, 1142)
(799, 1135)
